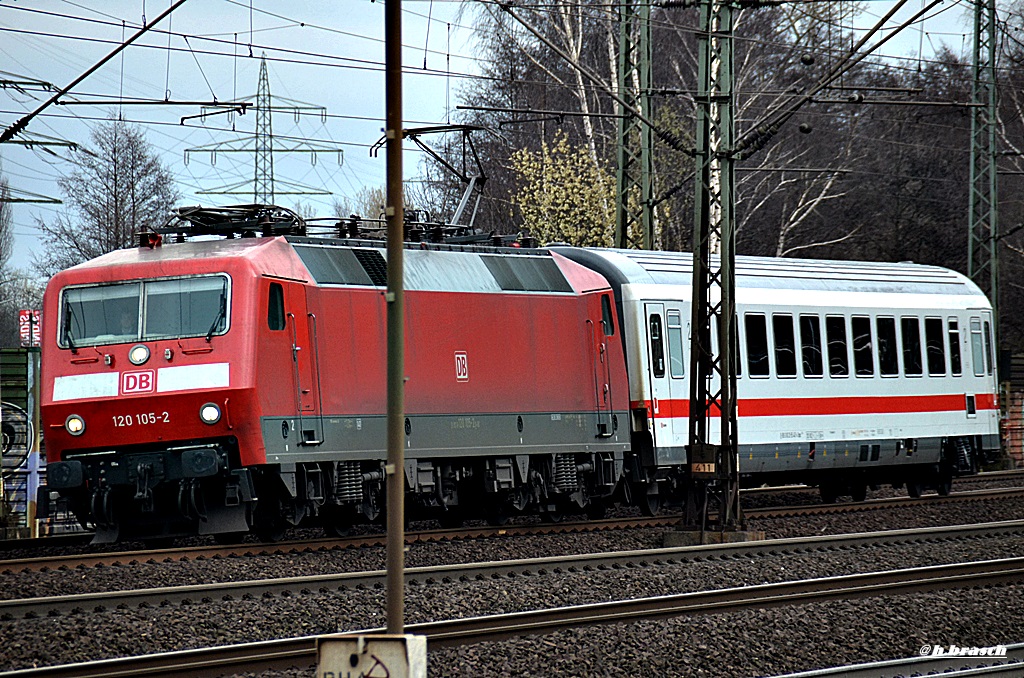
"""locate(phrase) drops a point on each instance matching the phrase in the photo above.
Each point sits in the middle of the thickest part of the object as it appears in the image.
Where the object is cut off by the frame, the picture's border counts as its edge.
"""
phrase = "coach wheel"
(859, 492)
(648, 503)
(944, 487)
(914, 490)
(829, 493)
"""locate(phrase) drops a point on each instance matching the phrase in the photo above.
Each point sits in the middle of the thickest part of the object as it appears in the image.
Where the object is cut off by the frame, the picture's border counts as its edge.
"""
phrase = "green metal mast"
(634, 216)
(982, 251)
(713, 467)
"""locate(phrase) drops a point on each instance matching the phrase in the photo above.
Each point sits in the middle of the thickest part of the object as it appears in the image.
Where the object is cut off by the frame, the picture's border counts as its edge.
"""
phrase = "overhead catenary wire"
(19, 125)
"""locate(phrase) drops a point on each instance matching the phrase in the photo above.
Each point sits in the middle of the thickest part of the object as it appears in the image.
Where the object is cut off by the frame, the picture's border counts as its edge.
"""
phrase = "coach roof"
(625, 267)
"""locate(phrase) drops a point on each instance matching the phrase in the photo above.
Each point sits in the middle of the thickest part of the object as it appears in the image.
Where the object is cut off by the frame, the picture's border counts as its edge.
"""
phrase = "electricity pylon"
(264, 186)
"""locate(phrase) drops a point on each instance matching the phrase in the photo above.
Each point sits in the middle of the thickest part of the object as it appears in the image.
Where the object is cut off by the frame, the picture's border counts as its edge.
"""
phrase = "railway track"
(185, 596)
(86, 560)
(950, 667)
(300, 652)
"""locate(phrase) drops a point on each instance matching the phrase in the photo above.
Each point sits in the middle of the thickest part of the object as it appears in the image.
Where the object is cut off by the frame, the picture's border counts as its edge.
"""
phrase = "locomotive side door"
(658, 375)
(599, 334)
(301, 326)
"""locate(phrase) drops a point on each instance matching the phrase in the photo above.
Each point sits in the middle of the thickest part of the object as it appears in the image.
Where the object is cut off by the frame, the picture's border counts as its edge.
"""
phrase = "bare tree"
(118, 188)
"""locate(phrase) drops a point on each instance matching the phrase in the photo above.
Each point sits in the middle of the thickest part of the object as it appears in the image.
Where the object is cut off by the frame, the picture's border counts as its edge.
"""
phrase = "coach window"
(757, 344)
(977, 348)
(911, 331)
(888, 360)
(785, 345)
(275, 307)
(954, 348)
(863, 360)
(657, 347)
(606, 316)
(934, 347)
(675, 345)
(988, 349)
(835, 336)
(810, 345)
(735, 347)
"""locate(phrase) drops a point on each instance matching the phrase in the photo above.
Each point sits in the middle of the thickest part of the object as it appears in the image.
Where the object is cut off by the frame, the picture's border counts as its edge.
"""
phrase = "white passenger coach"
(851, 374)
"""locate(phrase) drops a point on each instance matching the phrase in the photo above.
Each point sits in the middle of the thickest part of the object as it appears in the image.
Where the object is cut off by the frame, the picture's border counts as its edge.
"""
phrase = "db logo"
(461, 366)
(142, 381)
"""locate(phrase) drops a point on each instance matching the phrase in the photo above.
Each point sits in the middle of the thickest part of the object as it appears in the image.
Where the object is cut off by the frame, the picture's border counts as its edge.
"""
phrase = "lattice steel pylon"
(265, 188)
(713, 461)
(634, 215)
(982, 243)
(263, 181)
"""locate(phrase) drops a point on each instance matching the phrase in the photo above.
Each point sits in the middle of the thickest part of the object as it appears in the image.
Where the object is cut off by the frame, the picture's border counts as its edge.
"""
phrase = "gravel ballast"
(749, 643)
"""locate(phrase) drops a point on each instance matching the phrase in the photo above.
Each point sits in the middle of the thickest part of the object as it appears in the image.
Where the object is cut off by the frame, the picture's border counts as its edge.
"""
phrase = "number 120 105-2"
(141, 419)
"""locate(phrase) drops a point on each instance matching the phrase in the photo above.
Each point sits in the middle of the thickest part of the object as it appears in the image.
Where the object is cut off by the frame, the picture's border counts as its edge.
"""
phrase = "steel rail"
(1010, 665)
(887, 502)
(436, 535)
(254, 589)
(451, 633)
(321, 545)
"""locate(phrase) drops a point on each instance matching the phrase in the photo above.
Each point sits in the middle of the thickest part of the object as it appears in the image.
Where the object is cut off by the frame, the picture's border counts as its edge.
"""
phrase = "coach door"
(303, 329)
(658, 375)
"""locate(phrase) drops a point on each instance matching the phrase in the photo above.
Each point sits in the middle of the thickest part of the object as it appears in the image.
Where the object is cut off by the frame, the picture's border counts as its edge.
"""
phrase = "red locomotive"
(218, 387)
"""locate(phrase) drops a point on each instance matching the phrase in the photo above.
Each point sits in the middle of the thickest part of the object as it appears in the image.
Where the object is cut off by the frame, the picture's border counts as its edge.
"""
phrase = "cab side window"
(607, 320)
(275, 307)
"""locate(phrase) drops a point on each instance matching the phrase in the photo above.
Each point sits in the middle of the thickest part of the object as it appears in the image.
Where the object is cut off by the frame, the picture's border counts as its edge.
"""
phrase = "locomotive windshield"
(169, 308)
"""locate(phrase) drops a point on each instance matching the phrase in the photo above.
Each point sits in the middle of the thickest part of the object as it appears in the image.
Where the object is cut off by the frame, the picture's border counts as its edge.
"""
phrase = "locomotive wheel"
(336, 530)
(337, 523)
(596, 510)
(452, 519)
(945, 487)
(270, 533)
(555, 516)
(496, 516)
(229, 538)
(914, 490)
(859, 492)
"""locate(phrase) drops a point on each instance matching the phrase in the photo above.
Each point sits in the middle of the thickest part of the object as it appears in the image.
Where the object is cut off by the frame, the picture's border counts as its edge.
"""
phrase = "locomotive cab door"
(302, 328)
(599, 334)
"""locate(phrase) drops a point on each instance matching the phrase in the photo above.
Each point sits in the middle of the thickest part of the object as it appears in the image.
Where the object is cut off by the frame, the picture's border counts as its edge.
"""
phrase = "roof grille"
(374, 265)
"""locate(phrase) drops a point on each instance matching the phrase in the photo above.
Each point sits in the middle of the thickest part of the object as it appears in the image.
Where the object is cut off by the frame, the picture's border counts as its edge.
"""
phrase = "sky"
(320, 54)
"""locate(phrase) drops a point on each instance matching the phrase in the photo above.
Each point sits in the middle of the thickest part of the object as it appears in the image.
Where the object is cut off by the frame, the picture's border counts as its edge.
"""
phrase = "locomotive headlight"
(74, 425)
(209, 413)
(139, 354)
